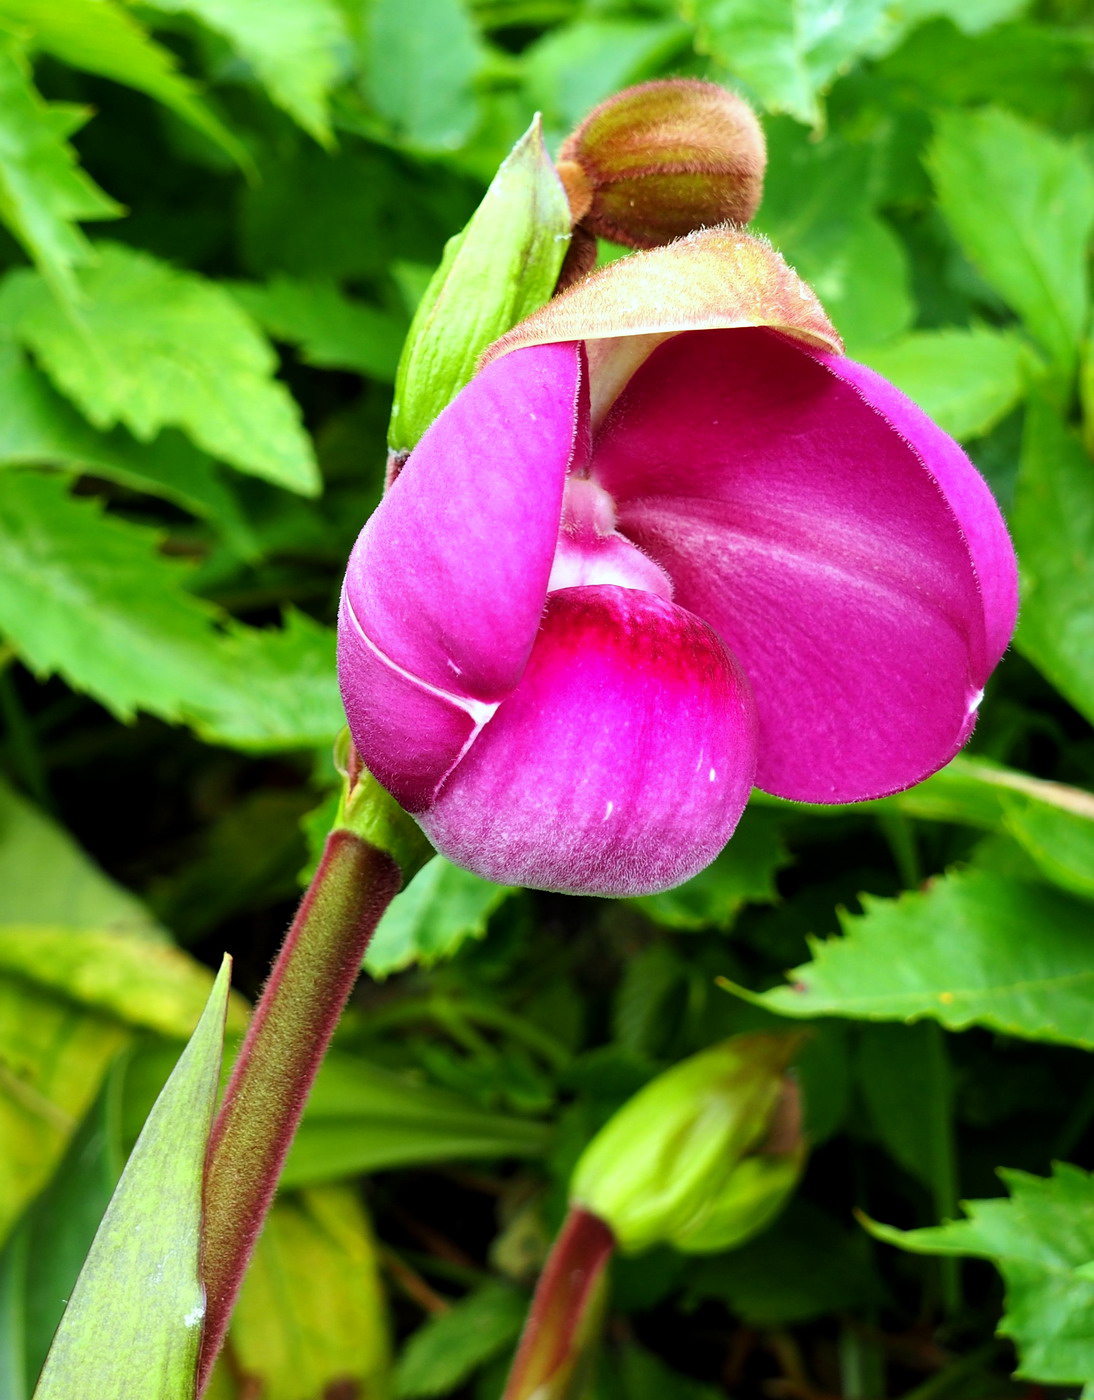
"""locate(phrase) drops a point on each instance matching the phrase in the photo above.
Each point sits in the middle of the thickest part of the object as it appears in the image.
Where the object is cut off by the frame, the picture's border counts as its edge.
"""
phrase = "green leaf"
(312, 1318)
(441, 908)
(290, 700)
(332, 330)
(43, 190)
(40, 427)
(133, 1325)
(971, 949)
(100, 37)
(41, 1260)
(1053, 525)
(574, 67)
(744, 873)
(1021, 204)
(63, 562)
(787, 51)
(908, 1088)
(451, 1346)
(200, 364)
(361, 1118)
(967, 380)
(499, 269)
(296, 48)
(819, 211)
(1042, 1241)
(420, 70)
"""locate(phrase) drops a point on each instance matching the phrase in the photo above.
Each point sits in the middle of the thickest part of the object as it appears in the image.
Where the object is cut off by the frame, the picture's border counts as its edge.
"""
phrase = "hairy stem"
(285, 1044)
(564, 1310)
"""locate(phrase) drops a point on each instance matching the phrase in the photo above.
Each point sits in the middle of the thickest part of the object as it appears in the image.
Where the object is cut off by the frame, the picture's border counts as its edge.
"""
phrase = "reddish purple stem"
(566, 1290)
(284, 1047)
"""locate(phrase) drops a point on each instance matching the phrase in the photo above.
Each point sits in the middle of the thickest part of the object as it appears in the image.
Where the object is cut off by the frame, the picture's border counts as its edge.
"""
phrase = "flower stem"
(284, 1047)
(564, 1311)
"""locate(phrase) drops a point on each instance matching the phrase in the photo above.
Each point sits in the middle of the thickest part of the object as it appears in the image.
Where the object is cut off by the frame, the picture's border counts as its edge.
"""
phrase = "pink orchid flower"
(668, 543)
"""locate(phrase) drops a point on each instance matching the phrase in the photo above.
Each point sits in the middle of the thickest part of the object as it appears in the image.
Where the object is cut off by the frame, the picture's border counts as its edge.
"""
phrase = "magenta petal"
(408, 735)
(822, 540)
(620, 764)
(448, 578)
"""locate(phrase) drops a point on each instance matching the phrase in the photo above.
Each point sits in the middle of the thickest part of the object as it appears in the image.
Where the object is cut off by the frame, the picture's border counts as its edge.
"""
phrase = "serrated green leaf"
(502, 266)
(967, 380)
(312, 1318)
(100, 37)
(419, 70)
(1053, 525)
(971, 949)
(361, 1118)
(43, 190)
(289, 698)
(787, 51)
(297, 49)
(64, 562)
(744, 873)
(199, 364)
(441, 908)
(38, 427)
(1042, 1241)
(1021, 204)
(332, 330)
(132, 1328)
(450, 1347)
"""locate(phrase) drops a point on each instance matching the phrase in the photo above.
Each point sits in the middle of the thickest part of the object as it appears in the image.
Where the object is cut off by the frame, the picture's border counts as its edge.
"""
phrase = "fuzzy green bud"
(704, 1156)
(499, 269)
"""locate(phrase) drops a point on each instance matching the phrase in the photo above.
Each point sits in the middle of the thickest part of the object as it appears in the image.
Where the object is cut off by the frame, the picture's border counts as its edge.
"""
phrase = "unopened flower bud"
(704, 1156)
(660, 160)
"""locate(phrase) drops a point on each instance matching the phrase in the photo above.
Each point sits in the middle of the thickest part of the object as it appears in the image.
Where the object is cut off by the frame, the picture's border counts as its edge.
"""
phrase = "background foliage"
(217, 218)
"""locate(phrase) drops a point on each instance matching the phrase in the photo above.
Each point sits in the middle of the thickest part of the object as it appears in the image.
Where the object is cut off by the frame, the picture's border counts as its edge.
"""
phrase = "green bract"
(498, 270)
(704, 1156)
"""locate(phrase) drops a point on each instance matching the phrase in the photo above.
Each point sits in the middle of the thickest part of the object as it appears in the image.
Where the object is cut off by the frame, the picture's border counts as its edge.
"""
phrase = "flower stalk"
(565, 1311)
(367, 856)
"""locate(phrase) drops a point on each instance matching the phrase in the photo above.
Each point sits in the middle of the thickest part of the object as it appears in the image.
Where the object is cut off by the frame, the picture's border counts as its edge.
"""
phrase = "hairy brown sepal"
(663, 159)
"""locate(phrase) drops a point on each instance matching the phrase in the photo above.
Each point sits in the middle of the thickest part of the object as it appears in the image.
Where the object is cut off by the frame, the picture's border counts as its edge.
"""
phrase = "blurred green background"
(218, 216)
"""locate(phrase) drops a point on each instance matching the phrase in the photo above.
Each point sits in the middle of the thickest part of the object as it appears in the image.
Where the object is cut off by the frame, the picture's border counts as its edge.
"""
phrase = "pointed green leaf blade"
(973, 948)
(1042, 1241)
(43, 190)
(133, 1326)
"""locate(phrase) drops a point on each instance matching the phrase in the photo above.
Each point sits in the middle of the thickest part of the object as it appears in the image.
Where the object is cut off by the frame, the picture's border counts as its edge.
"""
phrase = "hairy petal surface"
(714, 279)
(814, 535)
(619, 765)
(449, 576)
